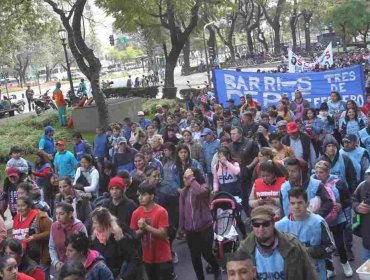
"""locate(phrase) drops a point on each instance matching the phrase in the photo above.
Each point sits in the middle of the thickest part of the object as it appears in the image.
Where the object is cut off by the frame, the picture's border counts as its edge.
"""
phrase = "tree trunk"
(293, 25)
(307, 34)
(250, 42)
(231, 48)
(261, 38)
(171, 61)
(99, 99)
(277, 47)
(48, 73)
(344, 38)
(212, 43)
(186, 51)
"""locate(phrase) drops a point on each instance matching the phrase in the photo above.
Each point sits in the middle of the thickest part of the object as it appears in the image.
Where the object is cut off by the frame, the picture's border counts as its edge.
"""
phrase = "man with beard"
(276, 255)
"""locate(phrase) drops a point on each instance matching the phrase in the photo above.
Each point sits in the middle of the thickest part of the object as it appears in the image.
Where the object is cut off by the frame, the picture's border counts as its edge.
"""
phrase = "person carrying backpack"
(337, 218)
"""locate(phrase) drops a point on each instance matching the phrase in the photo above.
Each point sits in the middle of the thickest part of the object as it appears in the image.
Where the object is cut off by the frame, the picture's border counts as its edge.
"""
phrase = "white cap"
(140, 113)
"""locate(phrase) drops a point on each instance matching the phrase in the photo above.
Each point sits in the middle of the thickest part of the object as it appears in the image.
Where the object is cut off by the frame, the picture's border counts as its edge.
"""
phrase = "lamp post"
(63, 38)
(205, 50)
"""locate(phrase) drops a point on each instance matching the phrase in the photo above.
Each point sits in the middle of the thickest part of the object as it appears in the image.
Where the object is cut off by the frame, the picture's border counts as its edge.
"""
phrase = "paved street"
(185, 271)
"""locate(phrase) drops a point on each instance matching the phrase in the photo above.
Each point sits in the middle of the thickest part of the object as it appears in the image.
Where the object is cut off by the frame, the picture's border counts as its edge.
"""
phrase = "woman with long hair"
(140, 163)
(352, 123)
(88, 176)
(226, 173)
(42, 169)
(197, 131)
(32, 227)
(337, 218)
(196, 150)
(115, 243)
(284, 112)
(14, 248)
(64, 226)
(51, 188)
(9, 270)
(169, 135)
(183, 161)
(196, 221)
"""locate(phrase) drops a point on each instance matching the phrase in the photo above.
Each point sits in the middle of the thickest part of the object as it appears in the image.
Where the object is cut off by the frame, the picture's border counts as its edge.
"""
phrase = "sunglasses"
(264, 224)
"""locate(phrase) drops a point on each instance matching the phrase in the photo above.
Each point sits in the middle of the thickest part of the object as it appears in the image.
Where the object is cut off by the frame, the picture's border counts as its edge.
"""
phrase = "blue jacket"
(177, 181)
(101, 145)
(96, 267)
(209, 150)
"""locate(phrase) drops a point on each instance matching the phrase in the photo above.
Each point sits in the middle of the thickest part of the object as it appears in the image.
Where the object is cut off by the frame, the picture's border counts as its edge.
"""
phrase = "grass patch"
(27, 132)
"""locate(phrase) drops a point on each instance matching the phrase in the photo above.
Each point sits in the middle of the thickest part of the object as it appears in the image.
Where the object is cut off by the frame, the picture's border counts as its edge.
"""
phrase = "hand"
(142, 224)
(363, 208)
(223, 160)
(188, 177)
(29, 239)
(337, 207)
(58, 266)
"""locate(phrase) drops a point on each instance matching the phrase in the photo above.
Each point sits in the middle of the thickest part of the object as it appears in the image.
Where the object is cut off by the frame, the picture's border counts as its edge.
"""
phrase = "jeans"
(338, 234)
(159, 271)
(62, 115)
(365, 254)
(200, 244)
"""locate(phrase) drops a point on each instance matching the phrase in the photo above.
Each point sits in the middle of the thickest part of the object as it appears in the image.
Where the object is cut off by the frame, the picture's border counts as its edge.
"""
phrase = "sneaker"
(347, 269)
(350, 255)
(330, 274)
(175, 258)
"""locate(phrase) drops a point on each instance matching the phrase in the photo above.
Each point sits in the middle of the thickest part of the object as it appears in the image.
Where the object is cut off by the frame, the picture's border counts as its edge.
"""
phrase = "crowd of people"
(112, 209)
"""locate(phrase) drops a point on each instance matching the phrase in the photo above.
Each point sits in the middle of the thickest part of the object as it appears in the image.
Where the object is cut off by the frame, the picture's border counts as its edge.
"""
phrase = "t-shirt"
(65, 162)
(155, 249)
(269, 267)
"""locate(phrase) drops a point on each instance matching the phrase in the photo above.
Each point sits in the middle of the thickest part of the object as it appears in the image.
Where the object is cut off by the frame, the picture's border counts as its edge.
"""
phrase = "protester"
(87, 176)
(64, 162)
(309, 228)
(156, 254)
(274, 252)
(196, 222)
(64, 226)
(9, 270)
(15, 248)
(240, 266)
(115, 243)
(78, 249)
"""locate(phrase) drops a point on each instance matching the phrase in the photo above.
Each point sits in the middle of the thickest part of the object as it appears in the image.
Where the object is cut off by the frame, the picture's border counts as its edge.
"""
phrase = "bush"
(149, 106)
(26, 133)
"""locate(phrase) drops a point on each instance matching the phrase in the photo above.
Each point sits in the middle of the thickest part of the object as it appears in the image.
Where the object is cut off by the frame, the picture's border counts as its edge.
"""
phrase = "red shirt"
(22, 276)
(155, 249)
(269, 191)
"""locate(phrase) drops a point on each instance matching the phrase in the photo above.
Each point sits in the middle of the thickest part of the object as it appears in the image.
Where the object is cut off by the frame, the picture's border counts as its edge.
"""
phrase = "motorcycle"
(18, 106)
(44, 103)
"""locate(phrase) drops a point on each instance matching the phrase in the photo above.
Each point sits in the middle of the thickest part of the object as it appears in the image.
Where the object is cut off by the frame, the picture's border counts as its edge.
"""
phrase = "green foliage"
(149, 106)
(125, 55)
(26, 133)
(352, 16)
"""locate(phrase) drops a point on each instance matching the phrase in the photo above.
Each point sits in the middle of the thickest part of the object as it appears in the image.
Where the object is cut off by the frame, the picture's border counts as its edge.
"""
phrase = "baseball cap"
(262, 213)
(12, 171)
(140, 113)
(121, 140)
(61, 142)
(206, 132)
(281, 123)
(292, 127)
(49, 128)
(248, 95)
(350, 138)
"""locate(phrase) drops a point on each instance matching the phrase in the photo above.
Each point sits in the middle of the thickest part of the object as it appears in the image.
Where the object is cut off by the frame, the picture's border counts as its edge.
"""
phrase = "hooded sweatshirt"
(96, 268)
(341, 165)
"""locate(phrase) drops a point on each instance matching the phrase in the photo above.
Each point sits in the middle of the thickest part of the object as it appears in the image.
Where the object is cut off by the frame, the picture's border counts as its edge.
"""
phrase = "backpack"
(333, 215)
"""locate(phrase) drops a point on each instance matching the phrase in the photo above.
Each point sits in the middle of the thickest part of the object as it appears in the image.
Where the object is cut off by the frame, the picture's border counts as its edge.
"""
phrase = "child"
(150, 221)
(112, 141)
(16, 160)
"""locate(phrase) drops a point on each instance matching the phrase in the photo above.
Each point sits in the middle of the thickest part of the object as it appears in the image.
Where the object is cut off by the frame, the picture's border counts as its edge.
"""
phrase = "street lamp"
(63, 38)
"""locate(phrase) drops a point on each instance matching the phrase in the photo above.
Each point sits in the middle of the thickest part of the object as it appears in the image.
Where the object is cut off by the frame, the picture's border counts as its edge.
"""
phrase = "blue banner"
(268, 88)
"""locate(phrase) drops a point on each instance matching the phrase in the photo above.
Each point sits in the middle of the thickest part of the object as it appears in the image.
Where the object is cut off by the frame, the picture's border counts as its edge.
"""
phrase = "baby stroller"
(226, 218)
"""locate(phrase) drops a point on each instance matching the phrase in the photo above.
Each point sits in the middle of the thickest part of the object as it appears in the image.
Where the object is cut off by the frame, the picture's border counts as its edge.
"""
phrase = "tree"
(179, 18)
(125, 55)
(86, 60)
(252, 16)
(273, 18)
(293, 21)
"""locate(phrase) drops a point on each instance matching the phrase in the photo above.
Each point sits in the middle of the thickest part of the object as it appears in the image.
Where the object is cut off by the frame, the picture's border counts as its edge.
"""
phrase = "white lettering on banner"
(268, 193)
(269, 89)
